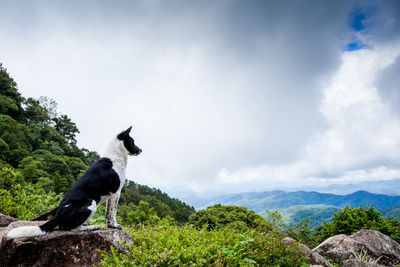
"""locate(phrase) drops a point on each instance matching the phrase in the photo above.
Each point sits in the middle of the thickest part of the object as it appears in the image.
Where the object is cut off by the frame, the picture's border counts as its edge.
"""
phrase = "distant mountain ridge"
(277, 199)
(386, 187)
(295, 206)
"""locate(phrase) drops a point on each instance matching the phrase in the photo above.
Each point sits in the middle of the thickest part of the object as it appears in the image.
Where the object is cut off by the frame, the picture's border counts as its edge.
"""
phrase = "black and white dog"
(103, 181)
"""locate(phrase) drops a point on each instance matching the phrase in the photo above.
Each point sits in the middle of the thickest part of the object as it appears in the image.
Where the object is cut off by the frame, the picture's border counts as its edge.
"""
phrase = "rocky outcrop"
(313, 257)
(58, 248)
(6, 220)
(357, 263)
(376, 245)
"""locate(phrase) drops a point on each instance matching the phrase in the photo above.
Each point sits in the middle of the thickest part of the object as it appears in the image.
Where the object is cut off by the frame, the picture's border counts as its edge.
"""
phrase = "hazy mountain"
(295, 206)
(391, 211)
(317, 213)
(277, 199)
(387, 187)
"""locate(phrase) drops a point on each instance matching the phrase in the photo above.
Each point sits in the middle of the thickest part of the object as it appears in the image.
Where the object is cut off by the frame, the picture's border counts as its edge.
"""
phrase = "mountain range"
(295, 206)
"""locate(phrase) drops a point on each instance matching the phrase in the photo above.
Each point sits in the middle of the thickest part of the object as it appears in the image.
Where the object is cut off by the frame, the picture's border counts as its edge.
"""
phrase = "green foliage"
(161, 202)
(8, 177)
(66, 127)
(10, 98)
(166, 245)
(350, 220)
(143, 214)
(235, 252)
(294, 214)
(99, 218)
(364, 257)
(219, 216)
(300, 232)
(275, 218)
(27, 202)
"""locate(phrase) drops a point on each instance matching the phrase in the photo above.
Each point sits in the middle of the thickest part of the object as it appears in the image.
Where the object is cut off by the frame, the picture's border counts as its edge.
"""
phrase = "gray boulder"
(357, 263)
(58, 248)
(313, 257)
(6, 220)
(375, 244)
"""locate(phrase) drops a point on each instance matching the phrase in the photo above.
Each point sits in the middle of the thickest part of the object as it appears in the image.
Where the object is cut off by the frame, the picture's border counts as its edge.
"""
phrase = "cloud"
(211, 88)
(362, 138)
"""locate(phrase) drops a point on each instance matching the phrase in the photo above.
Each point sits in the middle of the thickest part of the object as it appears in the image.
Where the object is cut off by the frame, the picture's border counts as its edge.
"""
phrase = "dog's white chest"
(120, 168)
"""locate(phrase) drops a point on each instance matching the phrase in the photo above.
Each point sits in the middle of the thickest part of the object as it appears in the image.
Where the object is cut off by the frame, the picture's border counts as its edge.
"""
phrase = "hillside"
(295, 206)
(391, 211)
(279, 199)
(317, 214)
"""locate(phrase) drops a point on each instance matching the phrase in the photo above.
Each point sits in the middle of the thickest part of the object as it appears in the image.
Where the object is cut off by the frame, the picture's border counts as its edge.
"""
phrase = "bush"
(350, 220)
(9, 176)
(219, 216)
(28, 202)
(170, 245)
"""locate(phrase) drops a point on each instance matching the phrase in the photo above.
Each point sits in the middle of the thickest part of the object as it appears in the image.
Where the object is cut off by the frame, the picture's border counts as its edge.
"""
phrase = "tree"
(8, 177)
(350, 220)
(66, 127)
(36, 113)
(32, 169)
(219, 216)
(13, 135)
(10, 98)
(143, 214)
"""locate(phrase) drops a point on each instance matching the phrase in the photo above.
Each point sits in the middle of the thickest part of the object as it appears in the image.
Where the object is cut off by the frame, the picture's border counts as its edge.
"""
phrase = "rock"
(357, 263)
(6, 220)
(58, 248)
(314, 258)
(375, 244)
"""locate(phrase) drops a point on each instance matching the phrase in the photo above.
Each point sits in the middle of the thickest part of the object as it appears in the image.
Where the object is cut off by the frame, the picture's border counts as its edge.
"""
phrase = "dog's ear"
(128, 130)
(124, 134)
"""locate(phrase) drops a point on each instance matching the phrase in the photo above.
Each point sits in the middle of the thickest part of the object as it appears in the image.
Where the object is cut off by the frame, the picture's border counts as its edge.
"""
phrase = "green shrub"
(9, 176)
(219, 216)
(27, 202)
(350, 220)
(171, 245)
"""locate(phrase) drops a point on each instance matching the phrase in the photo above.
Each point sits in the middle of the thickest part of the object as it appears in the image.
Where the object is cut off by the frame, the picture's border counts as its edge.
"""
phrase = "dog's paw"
(116, 226)
(93, 227)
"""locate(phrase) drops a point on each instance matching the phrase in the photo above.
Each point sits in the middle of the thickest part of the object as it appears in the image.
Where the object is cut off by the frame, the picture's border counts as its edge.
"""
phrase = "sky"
(223, 96)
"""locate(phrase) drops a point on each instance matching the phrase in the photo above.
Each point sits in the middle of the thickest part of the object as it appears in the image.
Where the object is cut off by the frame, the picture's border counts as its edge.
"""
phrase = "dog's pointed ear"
(128, 130)
(124, 134)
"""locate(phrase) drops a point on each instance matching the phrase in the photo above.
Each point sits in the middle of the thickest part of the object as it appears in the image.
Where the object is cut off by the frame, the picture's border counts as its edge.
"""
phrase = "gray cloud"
(389, 86)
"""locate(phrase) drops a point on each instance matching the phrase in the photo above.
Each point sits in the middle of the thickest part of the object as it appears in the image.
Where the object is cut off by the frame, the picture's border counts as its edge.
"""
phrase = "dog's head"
(129, 143)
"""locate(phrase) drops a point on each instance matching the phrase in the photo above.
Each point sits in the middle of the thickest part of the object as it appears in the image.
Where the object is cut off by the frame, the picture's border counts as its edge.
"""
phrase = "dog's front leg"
(112, 205)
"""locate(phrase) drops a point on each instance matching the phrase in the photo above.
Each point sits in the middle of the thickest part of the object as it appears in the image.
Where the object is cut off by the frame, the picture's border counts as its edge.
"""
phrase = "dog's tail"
(30, 231)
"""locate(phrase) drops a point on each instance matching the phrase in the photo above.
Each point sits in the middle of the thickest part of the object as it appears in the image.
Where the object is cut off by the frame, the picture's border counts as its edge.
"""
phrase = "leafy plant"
(364, 257)
(219, 216)
(236, 251)
(172, 245)
(27, 202)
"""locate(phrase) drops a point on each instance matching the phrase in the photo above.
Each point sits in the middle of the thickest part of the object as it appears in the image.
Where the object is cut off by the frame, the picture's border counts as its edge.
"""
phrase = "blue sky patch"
(356, 21)
(356, 46)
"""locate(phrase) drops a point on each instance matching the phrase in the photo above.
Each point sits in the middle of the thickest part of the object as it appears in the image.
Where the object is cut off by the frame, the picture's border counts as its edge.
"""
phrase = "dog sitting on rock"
(103, 181)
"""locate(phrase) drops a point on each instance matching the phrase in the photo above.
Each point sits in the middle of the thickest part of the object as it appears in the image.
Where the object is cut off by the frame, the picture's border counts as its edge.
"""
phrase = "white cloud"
(362, 138)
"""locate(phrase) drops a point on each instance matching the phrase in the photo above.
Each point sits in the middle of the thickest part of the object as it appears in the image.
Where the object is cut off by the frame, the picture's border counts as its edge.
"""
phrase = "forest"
(40, 161)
